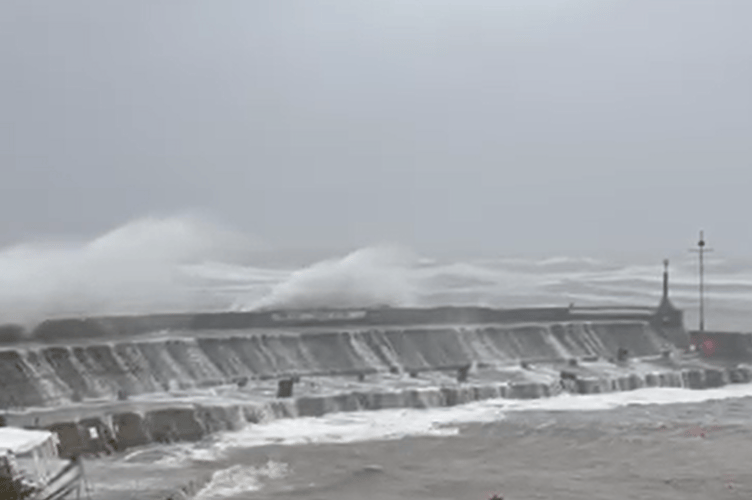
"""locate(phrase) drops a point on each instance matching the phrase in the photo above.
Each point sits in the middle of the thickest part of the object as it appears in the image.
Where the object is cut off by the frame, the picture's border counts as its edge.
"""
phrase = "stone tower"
(668, 319)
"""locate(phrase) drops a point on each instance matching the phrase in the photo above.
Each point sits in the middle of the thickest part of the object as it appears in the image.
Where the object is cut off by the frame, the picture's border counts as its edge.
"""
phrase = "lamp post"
(701, 252)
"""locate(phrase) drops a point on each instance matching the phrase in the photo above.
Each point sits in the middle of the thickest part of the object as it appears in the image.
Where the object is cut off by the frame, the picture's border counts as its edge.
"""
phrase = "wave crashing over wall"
(133, 269)
(192, 263)
(58, 375)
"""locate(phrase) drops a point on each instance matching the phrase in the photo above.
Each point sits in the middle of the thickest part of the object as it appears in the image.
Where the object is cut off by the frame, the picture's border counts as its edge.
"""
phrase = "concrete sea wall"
(108, 430)
(109, 384)
(43, 375)
(120, 327)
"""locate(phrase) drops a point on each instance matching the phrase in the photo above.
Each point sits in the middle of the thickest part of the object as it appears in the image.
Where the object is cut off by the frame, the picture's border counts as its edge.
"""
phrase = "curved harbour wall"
(106, 384)
(121, 327)
(44, 375)
(106, 431)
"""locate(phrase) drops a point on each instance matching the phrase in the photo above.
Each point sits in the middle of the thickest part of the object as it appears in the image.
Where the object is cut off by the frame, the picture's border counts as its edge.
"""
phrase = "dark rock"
(462, 374)
(130, 430)
(71, 442)
(168, 426)
(284, 388)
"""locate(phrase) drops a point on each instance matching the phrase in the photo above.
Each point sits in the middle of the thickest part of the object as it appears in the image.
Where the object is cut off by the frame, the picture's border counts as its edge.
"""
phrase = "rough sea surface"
(650, 443)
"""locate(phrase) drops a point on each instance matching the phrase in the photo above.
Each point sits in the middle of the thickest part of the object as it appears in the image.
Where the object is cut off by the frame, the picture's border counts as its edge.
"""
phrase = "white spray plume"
(373, 276)
(132, 269)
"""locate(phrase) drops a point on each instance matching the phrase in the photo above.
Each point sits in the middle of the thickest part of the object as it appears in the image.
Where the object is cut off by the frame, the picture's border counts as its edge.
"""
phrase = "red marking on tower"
(696, 432)
(708, 347)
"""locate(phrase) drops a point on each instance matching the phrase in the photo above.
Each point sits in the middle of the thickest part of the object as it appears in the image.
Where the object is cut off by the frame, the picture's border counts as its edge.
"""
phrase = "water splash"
(395, 424)
(133, 269)
(241, 479)
(188, 263)
(367, 277)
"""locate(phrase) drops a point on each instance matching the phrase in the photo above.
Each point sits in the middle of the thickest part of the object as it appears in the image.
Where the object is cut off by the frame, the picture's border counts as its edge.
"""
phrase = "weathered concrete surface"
(60, 375)
(128, 327)
(107, 427)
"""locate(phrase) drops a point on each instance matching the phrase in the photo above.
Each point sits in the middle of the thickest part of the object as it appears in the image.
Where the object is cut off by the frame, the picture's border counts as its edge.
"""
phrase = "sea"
(649, 443)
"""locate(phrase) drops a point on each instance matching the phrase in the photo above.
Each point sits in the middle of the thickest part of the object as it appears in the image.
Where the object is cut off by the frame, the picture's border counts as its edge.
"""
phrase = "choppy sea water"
(651, 443)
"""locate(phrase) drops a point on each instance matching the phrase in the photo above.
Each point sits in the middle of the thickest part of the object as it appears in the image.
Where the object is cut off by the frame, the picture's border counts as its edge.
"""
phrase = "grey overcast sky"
(511, 126)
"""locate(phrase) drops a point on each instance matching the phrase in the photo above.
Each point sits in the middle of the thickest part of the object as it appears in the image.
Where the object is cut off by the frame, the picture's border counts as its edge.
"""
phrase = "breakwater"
(108, 384)
(56, 375)
(96, 429)
(120, 327)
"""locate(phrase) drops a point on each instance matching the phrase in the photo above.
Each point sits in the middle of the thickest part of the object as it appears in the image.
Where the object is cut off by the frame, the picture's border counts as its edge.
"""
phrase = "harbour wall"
(104, 431)
(94, 380)
(122, 327)
(63, 374)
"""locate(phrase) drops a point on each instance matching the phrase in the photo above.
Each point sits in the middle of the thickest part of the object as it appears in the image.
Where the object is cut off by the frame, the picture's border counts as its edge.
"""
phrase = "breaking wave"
(133, 269)
(368, 277)
(241, 479)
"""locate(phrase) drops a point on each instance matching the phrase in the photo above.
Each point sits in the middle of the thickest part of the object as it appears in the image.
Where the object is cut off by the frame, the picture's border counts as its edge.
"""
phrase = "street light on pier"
(701, 252)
